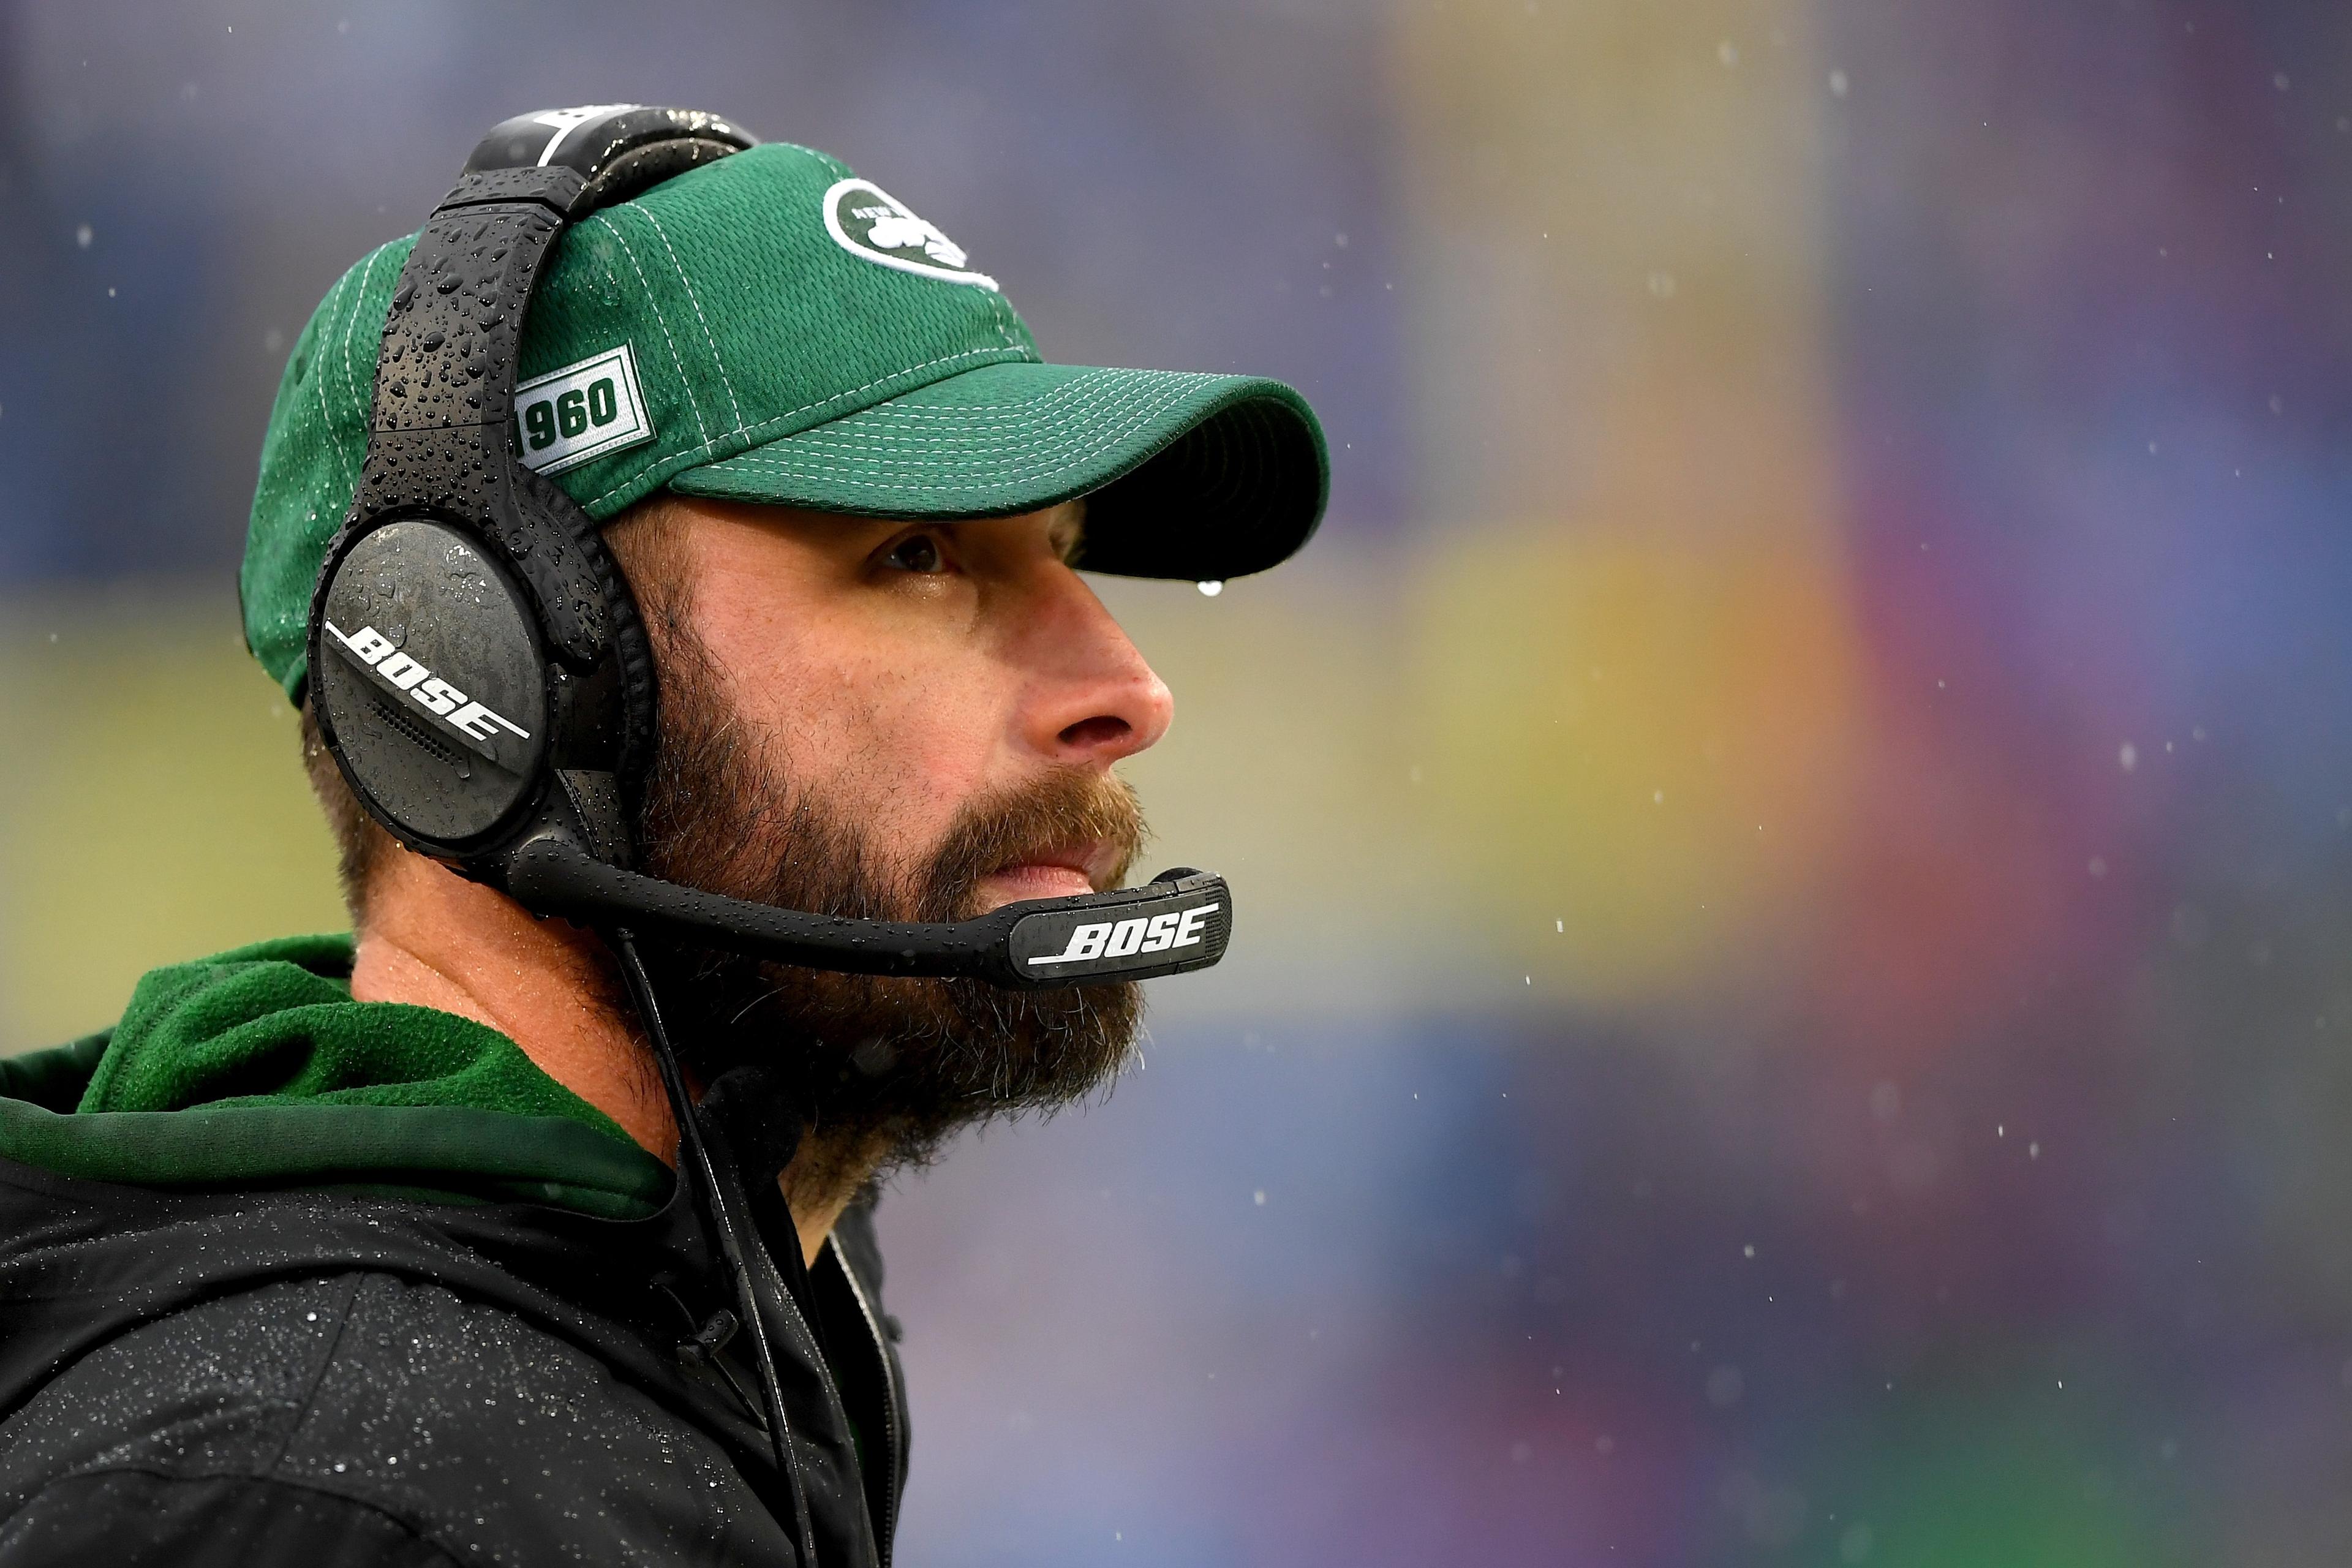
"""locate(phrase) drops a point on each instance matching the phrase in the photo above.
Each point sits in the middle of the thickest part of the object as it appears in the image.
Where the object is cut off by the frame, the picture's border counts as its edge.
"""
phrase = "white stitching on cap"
(1009, 412)
(1043, 421)
(366, 278)
(937, 416)
(1157, 398)
(1002, 310)
(318, 386)
(692, 299)
(901, 486)
(1048, 442)
(682, 459)
(854, 457)
(630, 251)
(783, 464)
(934, 417)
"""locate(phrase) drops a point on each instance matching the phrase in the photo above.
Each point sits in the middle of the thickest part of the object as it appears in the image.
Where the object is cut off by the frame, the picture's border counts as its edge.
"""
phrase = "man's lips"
(1057, 873)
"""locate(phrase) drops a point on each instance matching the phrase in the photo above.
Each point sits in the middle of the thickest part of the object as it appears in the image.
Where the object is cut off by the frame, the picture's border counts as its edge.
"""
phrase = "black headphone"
(477, 663)
(476, 660)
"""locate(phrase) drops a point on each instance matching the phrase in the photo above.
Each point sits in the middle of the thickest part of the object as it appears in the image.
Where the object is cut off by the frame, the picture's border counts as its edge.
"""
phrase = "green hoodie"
(255, 1068)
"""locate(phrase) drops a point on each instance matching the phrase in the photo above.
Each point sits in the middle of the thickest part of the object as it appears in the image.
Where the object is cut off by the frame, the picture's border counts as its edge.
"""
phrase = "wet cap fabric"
(771, 329)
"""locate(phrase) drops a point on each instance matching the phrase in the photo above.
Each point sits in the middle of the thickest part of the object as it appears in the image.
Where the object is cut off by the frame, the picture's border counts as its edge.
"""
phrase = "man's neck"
(433, 939)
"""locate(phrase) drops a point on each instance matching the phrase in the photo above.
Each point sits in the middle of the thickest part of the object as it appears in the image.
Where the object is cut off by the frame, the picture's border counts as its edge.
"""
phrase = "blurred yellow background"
(155, 807)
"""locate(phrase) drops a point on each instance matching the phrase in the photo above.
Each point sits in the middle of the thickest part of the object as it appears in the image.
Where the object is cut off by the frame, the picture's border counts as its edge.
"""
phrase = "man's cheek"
(901, 781)
(946, 740)
(896, 746)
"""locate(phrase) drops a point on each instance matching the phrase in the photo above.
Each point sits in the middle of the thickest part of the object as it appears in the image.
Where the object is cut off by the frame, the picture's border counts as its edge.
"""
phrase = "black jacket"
(320, 1379)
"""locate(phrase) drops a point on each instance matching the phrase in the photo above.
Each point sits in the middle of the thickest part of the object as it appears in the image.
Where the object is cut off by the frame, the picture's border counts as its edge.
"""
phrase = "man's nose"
(1094, 699)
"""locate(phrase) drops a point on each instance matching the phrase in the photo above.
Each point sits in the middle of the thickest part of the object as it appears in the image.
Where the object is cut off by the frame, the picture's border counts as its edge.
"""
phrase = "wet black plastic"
(1015, 947)
(600, 142)
(440, 458)
(430, 671)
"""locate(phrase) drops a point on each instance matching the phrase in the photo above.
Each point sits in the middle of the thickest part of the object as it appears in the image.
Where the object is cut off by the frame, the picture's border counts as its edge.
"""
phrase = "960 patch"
(582, 411)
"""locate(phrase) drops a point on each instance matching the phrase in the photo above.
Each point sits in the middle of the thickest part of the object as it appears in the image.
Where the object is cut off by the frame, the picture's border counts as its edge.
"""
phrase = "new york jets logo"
(866, 220)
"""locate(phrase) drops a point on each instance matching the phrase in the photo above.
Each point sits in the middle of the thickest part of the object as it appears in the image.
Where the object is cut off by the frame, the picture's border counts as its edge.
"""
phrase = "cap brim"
(1197, 477)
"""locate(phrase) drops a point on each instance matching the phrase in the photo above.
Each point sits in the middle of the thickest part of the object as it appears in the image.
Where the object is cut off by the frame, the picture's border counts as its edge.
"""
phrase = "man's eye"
(915, 553)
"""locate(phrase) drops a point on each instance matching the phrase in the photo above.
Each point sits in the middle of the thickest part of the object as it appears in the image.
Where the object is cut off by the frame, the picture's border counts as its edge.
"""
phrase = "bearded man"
(369, 1250)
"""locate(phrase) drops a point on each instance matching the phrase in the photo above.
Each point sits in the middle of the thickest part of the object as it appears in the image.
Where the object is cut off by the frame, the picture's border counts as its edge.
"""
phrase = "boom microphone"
(1179, 920)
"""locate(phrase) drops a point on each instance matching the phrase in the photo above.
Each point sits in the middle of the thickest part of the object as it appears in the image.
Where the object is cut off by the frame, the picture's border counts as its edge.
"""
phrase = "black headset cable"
(729, 1218)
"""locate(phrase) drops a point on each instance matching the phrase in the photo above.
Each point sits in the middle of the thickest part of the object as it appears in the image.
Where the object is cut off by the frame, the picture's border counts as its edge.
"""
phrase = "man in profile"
(367, 1250)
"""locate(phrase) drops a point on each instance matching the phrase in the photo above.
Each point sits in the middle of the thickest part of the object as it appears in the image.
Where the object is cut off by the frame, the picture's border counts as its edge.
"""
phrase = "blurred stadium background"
(1796, 825)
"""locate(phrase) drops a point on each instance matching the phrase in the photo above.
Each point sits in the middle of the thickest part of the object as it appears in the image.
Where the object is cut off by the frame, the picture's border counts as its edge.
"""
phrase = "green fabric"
(256, 1068)
(780, 363)
(53, 1079)
(1000, 439)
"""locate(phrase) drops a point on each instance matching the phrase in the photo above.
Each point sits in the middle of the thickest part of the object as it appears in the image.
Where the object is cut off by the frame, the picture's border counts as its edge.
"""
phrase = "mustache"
(1029, 821)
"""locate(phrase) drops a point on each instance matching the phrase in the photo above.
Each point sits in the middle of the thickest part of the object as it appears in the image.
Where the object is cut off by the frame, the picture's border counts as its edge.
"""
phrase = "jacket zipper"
(892, 1417)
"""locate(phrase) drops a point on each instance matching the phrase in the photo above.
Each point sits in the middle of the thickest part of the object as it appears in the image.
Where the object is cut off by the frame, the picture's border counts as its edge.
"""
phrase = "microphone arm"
(1179, 920)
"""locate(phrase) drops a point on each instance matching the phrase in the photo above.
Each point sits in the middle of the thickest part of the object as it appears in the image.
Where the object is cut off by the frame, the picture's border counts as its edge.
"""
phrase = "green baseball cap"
(769, 328)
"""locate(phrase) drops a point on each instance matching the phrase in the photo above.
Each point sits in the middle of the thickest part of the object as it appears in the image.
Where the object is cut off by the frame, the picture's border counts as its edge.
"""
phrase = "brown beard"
(879, 1069)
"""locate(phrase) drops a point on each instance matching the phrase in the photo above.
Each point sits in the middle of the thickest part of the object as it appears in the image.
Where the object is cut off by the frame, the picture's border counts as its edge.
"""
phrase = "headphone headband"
(588, 141)
(476, 662)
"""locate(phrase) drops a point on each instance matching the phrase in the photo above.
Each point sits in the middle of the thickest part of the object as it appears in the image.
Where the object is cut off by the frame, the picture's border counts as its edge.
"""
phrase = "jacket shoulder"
(203, 1522)
(478, 1434)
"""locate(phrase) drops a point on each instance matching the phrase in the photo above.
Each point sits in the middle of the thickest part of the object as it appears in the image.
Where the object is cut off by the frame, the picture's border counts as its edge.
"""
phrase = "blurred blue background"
(1795, 826)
